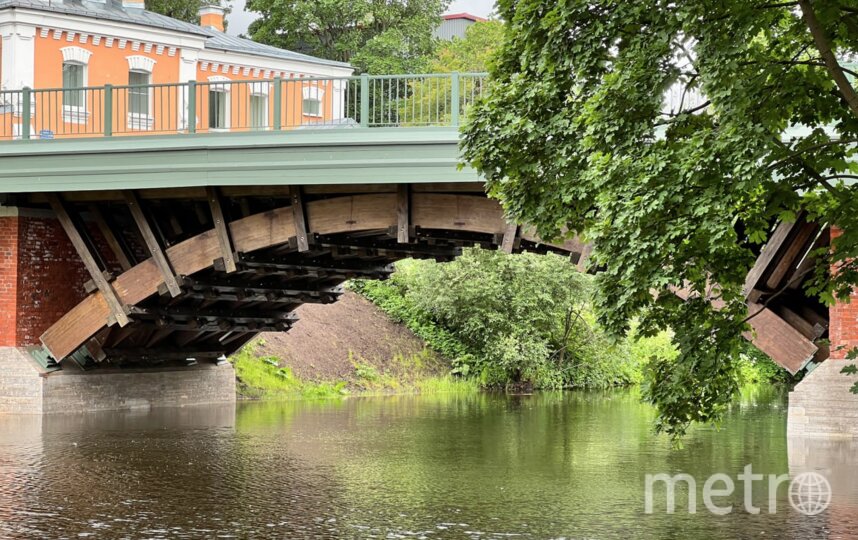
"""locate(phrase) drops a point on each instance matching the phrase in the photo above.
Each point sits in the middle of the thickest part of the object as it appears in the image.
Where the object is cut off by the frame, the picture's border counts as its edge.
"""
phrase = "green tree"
(573, 136)
(376, 36)
(184, 10)
(427, 101)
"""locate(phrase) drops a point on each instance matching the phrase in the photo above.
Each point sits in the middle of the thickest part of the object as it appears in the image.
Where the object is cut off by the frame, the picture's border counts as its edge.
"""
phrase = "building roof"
(468, 16)
(225, 42)
(112, 10)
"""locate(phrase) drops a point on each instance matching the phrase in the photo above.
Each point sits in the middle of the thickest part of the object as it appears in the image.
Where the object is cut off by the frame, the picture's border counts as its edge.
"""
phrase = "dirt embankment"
(330, 342)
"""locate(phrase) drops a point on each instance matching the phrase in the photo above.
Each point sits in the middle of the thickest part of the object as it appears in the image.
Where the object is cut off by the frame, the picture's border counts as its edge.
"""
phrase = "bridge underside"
(197, 272)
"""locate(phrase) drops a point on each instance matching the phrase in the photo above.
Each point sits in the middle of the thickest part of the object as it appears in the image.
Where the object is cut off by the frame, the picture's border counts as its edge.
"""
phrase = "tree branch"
(823, 44)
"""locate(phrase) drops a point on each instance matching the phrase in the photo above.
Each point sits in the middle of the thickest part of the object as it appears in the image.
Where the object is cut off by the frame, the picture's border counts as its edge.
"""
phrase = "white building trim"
(140, 63)
(77, 55)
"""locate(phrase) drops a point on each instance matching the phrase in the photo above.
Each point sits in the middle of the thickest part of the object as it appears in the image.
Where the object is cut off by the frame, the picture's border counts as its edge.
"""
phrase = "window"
(138, 95)
(312, 107)
(258, 111)
(217, 109)
(73, 78)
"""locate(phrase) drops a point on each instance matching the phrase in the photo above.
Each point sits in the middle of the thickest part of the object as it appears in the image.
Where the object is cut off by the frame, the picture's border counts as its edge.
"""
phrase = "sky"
(239, 19)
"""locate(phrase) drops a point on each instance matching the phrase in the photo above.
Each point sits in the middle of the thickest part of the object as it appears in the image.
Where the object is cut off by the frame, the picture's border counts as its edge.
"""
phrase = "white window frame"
(137, 121)
(225, 90)
(259, 90)
(76, 114)
(314, 93)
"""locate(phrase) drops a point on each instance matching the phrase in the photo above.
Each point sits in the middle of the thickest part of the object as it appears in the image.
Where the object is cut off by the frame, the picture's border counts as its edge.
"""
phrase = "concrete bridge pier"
(821, 406)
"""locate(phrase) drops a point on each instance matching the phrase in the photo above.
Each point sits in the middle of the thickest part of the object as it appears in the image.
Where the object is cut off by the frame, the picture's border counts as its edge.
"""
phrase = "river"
(564, 465)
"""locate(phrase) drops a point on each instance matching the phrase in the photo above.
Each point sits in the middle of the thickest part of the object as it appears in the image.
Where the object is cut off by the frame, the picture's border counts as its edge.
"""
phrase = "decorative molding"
(147, 48)
(76, 54)
(159, 50)
(122, 43)
(58, 34)
(84, 38)
(140, 63)
(172, 51)
(96, 40)
(108, 41)
(135, 46)
(70, 36)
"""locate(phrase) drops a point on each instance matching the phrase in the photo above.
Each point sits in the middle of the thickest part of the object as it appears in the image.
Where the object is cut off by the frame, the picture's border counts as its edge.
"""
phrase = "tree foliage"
(573, 136)
(184, 10)
(428, 101)
(376, 36)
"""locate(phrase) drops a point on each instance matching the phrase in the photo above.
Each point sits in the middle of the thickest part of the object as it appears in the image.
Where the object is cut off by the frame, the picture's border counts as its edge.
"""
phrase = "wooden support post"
(152, 243)
(300, 218)
(117, 308)
(222, 230)
(112, 241)
(765, 259)
(403, 213)
(509, 238)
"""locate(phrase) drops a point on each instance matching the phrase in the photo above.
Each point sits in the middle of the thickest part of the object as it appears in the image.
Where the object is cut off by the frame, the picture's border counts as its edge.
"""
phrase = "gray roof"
(220, 40)
(112, 10)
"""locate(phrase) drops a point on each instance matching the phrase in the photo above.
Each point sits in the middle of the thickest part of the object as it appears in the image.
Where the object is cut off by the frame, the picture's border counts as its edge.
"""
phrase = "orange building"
(95, 66)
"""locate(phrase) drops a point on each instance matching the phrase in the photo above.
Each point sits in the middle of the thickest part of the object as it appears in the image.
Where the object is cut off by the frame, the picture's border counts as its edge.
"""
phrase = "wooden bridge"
(195, 242)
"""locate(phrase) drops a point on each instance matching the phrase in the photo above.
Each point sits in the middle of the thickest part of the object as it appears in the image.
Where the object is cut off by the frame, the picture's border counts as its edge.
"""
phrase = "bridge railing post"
(108, 110)
(192, 106)
(278, 102)
(364, 100)
(26, 99)
(454, 99)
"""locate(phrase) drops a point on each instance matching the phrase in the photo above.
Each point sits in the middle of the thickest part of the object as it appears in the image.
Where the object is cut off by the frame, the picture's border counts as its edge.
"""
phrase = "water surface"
(568, 465)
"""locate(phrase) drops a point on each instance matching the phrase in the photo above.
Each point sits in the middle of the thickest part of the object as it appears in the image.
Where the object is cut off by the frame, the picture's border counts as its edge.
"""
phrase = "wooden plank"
(797, 246)
(509, 238)
(403, 213)
(222, 231)
(158, 256)
(299, 217)
(116, 307)
(778, 339)
(112, 241)
(767, 255)
(808, 329)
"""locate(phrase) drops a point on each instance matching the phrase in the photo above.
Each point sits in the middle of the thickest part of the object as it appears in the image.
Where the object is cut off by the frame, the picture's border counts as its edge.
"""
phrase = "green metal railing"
(219, 104)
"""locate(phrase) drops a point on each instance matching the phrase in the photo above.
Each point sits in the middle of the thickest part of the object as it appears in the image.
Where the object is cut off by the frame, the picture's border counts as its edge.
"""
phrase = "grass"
(261, 377)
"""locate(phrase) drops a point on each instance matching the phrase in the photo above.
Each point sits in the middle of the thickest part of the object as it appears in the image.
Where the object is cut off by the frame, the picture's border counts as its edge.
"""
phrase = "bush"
(506, 319)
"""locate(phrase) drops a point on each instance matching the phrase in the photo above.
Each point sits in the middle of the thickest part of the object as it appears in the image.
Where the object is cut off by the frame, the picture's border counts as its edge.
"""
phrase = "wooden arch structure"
(220, 265)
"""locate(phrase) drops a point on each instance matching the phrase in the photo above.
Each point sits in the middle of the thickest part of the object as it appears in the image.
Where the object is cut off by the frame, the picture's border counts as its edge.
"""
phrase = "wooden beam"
(299, 217)
(112, 241)
(155, 250)
(403, 213)
(798, 245)
(221, 229)
(765, 259)
(509, 238)
(117, 308)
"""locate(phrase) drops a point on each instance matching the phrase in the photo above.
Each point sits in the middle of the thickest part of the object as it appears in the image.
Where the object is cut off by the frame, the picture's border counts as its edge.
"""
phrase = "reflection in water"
(548, 465)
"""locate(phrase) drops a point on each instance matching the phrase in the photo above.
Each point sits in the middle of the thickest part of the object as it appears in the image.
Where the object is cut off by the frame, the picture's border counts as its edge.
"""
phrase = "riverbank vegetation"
(524, 321)
(486, 320)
